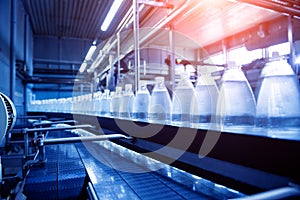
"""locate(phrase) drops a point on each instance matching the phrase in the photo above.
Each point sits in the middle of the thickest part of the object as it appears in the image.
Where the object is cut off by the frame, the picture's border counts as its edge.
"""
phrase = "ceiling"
(83, 18)
(199, 23)
(72, 18)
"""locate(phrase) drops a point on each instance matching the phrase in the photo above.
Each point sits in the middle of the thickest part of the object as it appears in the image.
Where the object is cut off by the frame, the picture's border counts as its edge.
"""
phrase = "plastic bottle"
(141, 103)
(96, 103)
(278, 101)
(105, 103)
(236, 103)
(204, 104)
(160, 103)
(89, 104)
(126, 102)
(115, 102)
(182, 99)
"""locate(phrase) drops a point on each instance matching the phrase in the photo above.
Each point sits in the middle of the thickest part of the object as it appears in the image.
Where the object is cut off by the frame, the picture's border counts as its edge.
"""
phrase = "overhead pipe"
(112, 42)
(273, 6)
(137, 40)
(157, 26)
(165, 20)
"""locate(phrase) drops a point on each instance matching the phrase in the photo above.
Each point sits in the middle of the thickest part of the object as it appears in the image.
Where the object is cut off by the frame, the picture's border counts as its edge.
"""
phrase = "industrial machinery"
(8, 116)
(69, 148)
(24, 148)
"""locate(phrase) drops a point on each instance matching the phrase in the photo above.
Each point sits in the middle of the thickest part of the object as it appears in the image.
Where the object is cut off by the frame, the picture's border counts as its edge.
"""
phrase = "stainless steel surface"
(52, 123)
(91, 191)
(84, 139)
(31, 130)
(279, 193)
(143, 165)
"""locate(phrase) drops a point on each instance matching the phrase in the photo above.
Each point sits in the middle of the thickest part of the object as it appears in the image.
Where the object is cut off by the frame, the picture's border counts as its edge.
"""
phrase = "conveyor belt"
(62, 177)
(110, 183)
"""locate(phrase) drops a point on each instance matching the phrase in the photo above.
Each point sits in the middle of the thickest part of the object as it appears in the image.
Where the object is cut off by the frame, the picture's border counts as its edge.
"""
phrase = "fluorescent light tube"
(111, 14)
(82, 67)
(90, 52)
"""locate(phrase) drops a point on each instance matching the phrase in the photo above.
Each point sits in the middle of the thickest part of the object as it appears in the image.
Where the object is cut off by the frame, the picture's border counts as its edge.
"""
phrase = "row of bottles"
(232, 103)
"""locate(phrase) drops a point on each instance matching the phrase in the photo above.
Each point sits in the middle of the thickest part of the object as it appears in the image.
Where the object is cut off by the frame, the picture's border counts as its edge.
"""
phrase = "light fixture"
(111, 14)
(90, 52)
(82, 67)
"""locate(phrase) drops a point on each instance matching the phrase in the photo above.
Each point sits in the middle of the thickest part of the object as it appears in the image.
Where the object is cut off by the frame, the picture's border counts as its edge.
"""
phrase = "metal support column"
(225, 52)
(26, 21)
(172, 56)
(291, 41)
(12, 50)
(136, 43)
(118, 54)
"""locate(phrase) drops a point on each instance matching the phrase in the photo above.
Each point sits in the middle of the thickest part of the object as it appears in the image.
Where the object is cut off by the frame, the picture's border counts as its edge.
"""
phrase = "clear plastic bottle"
(96, 103)
(206, 96)
(278, 101)
(141, 103)
(105, 103)
(115, 102)
(236, 103)
(182, 100)
(89, 104)
(126, 102)
(160, 103)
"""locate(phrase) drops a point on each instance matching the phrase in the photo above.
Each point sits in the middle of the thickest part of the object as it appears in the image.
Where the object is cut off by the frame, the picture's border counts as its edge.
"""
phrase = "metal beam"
(32, 130)
(57, 81)
(272, 5)
(157, 4)
(51, 61)
(55, 71)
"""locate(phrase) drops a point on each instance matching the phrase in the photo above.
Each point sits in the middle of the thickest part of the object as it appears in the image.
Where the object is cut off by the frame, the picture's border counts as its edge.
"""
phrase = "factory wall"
(5, 47)
(53, 53)
(12, 14)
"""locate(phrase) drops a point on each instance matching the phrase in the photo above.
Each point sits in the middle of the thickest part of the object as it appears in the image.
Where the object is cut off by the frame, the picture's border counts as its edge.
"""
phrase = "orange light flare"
(209, 21)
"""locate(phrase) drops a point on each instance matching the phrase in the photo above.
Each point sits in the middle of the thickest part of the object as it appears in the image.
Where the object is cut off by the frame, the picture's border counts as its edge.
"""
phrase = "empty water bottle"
(278, 102)
(115, 102)
(105, 103)
(236, 103)
(182, 99)
(160, 103)
(141, 102)
(96, 103)
(206, 95)
(126, 102)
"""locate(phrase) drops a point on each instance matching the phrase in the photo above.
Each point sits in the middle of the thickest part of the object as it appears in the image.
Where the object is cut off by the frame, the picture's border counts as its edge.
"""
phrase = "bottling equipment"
(119, 123)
